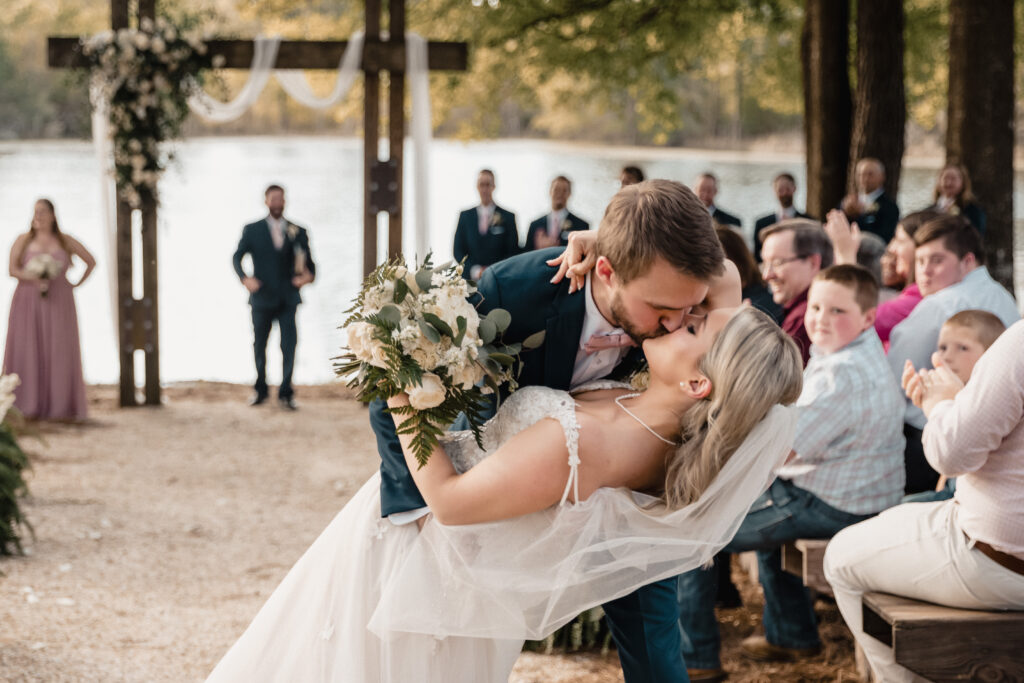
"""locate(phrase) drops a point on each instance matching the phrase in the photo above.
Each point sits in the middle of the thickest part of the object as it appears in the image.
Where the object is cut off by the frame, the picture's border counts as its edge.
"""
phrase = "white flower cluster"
(42, 266)
(8, 383)
(147, 75)
(435, 326)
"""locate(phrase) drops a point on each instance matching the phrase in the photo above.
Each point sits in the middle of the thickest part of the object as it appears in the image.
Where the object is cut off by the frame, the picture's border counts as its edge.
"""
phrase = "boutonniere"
(496, 218)
(639, 380)
(292, 230)
(871, 208)
(953, 210)
(566, 225)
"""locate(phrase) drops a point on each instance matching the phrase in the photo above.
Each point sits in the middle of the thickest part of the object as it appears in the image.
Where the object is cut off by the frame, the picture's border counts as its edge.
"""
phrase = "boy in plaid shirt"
(846, 465)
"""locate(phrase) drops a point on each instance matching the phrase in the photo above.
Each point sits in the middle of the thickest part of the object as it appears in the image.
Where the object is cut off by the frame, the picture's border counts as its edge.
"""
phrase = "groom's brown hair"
(659, 218)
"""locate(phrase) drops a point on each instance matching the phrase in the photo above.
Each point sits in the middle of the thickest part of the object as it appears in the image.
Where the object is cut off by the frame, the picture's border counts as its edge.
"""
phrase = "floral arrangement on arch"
(415, 331)
(147, 75)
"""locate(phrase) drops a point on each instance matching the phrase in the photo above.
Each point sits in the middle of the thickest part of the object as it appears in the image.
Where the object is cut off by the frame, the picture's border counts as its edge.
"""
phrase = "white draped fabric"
(295, 84)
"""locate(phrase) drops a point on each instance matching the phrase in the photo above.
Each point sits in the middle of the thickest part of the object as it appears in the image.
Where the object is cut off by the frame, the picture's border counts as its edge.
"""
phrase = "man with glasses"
(792, 253)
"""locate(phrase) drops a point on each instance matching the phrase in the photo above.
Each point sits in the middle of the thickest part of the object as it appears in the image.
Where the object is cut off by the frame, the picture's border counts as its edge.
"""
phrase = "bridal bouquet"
(44, 267)
(415, 331)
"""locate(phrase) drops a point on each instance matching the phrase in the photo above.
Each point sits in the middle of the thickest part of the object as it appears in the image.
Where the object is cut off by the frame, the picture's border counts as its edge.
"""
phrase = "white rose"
(159, 45)
(466, 376)
(141, 41)
(429, 394)
(364, 346)
(410, 279)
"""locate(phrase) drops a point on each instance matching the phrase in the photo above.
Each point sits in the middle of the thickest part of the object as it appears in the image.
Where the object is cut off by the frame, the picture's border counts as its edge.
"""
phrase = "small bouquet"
(8, 383)
(44, 267)
(416, 331)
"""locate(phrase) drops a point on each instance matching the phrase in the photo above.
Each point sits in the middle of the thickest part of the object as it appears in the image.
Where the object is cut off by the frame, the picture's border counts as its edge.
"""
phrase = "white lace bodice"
(523, 409)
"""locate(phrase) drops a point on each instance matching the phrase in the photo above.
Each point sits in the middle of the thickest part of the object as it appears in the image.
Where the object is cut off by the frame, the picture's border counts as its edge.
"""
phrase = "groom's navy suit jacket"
(272, 267)
(645, 623)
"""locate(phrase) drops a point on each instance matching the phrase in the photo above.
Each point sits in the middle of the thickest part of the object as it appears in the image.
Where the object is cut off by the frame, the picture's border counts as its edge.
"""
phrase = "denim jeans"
(785, 512)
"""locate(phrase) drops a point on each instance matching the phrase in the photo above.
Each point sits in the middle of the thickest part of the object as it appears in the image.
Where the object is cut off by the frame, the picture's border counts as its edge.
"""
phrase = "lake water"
(216, 186)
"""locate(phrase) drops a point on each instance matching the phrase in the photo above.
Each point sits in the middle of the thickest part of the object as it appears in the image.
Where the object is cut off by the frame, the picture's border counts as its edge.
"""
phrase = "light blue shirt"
(849, 434)
(917, 336)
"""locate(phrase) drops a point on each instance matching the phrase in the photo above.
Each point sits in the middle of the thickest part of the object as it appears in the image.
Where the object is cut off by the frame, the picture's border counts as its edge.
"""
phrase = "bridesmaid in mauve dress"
(42, 332)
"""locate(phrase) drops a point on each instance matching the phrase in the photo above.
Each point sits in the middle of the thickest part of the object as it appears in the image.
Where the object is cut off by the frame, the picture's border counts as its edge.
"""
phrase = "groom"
(281, 265)
(657, 255)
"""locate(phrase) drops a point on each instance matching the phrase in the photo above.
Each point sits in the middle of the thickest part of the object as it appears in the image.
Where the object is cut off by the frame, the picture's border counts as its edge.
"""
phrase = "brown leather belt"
(1014, 564)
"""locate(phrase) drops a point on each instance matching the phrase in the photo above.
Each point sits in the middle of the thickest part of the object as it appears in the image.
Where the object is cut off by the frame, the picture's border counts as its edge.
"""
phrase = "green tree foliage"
(629, 71)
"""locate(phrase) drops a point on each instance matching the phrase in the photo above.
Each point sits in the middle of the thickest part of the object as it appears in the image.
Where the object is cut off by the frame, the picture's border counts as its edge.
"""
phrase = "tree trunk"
(880, 104)
(980, 132)
(823, 52)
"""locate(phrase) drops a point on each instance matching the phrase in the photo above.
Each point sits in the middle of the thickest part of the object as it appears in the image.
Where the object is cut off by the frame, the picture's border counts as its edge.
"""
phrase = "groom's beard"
(622, 321)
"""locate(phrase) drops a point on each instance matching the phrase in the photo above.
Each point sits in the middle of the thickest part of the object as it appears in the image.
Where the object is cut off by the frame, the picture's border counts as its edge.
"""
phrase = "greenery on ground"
(13, 464)
(624, 71)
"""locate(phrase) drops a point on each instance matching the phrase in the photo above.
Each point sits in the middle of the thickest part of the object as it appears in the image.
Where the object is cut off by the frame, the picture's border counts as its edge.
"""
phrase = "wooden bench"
(805, 557)
(947, 644)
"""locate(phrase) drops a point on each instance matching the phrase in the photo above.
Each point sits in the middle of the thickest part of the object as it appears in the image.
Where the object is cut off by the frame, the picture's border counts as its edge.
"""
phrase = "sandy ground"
(160, 532)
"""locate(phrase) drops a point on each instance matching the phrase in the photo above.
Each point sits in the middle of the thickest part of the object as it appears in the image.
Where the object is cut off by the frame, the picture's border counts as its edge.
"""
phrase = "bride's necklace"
(618, 402)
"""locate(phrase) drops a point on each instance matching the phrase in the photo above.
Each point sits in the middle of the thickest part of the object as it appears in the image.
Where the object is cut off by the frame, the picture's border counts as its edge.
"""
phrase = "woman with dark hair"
(754, 288)
(953, 195)
(42, 330)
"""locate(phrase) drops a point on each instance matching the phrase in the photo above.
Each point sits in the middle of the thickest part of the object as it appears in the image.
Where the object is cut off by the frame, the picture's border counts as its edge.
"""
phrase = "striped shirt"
(979, 437)
(849, 436)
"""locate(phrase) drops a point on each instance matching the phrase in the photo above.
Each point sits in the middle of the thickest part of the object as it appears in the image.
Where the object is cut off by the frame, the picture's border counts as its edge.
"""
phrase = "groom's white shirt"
(591, 366)
(588, 367)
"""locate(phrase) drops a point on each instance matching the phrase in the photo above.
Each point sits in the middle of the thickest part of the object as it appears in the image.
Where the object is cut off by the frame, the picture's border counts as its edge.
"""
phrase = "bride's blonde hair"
(752, 365)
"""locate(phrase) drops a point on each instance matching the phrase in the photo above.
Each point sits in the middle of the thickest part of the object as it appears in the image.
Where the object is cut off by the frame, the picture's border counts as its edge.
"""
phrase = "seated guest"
(967, 552)
(846, 465)
(963, 340)
(486, 233)
(792, 253)
(552, 229)
(953, 195)
(951, 275)
(754, 288)
(706, 189)
(872, 209)
(784, 186)
(846, 238)
(630, 175)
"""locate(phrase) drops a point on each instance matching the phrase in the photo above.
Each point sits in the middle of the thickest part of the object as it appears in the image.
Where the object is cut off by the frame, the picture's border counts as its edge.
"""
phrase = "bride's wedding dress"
(371, 601)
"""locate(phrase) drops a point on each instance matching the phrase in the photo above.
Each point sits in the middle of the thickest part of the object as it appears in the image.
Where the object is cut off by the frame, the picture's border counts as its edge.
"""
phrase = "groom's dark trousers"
(645, 623)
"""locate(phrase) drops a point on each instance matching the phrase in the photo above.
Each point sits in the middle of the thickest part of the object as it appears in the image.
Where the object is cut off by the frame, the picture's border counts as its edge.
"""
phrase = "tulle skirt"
(314, 626)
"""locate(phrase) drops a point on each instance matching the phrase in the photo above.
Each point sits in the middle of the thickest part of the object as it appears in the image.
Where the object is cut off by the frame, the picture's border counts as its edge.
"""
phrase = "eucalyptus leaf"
(534, 340)
(439, 324)
(503, 358)
(401, 291)
(501, 318)
(429, 331)
(423, 279)
(488, 330)
(391, 314)
(461, 324)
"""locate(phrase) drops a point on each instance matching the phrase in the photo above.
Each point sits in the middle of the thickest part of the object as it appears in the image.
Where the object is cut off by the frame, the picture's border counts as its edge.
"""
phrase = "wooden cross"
(138, 328)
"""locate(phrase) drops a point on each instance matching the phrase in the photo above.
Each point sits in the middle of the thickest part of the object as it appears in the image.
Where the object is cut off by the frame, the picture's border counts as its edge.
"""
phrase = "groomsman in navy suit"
(486, 233)
(553, 228)
(871, 208)
(658, 257)
(706, 188)
(784, 186)
(282, 264)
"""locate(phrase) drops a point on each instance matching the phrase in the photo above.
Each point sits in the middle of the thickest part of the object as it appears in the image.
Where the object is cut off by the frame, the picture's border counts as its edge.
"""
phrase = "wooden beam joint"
(383, 186)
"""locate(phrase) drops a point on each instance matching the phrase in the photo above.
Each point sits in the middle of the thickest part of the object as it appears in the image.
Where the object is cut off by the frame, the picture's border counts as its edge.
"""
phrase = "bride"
(574, 500)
